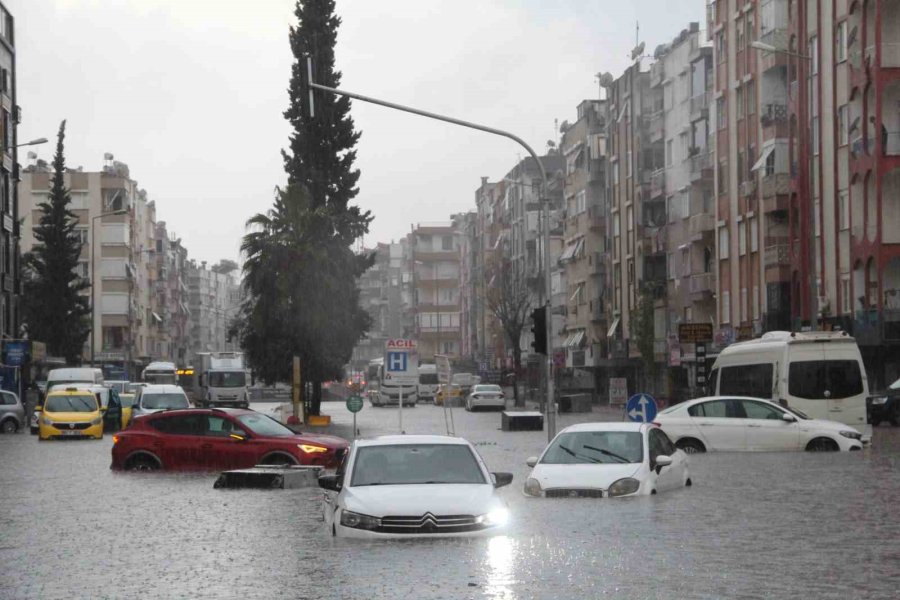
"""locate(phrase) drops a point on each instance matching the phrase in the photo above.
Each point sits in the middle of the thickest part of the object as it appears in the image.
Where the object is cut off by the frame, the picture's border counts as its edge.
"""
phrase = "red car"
(218, 439)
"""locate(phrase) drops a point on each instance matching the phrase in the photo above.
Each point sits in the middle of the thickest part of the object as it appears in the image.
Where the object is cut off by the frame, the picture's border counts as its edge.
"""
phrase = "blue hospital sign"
(397, 362)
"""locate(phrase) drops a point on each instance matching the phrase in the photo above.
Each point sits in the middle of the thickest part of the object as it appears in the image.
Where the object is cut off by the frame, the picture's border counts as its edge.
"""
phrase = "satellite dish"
(606, 79)
(108, 156)
(551, 144)
(638, 51)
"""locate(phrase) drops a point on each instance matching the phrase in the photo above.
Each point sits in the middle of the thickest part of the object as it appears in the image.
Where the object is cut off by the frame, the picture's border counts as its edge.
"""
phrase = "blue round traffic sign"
(641, 408)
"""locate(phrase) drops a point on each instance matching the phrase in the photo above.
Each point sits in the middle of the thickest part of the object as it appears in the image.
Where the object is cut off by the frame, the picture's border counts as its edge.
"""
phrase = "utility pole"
(548, 364)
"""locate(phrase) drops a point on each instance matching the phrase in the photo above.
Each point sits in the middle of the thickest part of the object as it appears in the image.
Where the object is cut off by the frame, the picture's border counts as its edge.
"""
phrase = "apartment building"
(10, 117)
(170, 314)
(583, 258)
(469, 284)
(116, 214)
(491, 235)
(434, 267)
(213, 300)
(381, 295)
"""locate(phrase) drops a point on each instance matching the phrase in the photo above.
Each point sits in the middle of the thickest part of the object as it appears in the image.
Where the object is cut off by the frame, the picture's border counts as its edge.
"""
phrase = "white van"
(819, 373)
(72, 375)
(428, 382)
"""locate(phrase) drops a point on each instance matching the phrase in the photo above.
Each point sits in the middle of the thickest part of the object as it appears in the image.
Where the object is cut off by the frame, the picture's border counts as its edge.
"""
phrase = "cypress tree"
(55, 311)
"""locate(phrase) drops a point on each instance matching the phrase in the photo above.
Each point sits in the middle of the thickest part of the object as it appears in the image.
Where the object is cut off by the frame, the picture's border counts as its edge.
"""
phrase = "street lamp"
(813, 270)
(93, 292)
(34, 142)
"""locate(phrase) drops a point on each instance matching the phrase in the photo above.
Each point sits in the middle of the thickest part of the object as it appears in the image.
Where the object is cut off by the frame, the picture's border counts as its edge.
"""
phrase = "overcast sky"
(190, 94)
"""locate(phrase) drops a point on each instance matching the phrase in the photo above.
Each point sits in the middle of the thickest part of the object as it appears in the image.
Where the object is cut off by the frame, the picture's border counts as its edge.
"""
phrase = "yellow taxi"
(127, 399)
(455, 391)
(70, 413)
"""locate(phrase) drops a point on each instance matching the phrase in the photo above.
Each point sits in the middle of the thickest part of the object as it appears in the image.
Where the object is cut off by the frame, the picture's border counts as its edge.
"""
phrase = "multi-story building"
(115, 212)
(213, 301)
(170, 312)
(469, 284)
(491, 233)
(583, 276)
(434, 266)
(381, 295)
(10, 116)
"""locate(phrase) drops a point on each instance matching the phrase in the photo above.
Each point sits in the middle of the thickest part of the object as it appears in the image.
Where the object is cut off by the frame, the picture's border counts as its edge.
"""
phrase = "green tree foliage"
(55, 311)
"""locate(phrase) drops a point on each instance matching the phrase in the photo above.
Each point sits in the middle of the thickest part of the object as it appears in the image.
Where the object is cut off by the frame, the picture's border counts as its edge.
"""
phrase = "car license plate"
(67, 432)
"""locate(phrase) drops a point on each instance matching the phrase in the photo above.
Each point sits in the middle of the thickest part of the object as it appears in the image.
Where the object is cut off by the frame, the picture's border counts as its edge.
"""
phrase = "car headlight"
(47, 421)
(624, 486)
(359, 521)
(853, 435)
(310, 449)
(97, 421)
(533, 487)
(879, 400)
(496, 518)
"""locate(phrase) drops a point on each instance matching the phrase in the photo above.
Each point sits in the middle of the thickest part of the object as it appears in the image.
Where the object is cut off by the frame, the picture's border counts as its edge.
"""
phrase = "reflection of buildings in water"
(500, 566)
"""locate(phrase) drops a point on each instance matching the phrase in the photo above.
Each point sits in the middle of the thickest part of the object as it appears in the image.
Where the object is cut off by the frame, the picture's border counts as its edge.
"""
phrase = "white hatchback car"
(604, 460)
(413, 486)
(486, 395)
(155, 397)
(739, 423)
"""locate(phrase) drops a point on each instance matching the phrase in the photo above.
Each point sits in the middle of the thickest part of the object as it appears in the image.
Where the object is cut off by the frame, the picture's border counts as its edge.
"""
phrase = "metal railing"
(700, 102)
(777, 255)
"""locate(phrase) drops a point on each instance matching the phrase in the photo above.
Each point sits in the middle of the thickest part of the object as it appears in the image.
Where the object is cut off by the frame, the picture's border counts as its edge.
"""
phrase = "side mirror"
(330, 482)
(238, 437)
(531, 461)
(501, 479)
(662, 461)
(788, 418)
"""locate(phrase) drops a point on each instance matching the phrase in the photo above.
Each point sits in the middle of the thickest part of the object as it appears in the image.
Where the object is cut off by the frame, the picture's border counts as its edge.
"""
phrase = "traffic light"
(539, 330)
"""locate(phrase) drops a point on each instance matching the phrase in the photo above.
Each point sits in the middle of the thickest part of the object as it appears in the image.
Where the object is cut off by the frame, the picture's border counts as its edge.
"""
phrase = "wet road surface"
(753, 526)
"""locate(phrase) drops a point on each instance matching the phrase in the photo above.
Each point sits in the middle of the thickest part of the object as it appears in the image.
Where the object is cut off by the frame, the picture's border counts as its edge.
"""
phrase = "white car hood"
(414, 500)
(822, 424)
(582, 476)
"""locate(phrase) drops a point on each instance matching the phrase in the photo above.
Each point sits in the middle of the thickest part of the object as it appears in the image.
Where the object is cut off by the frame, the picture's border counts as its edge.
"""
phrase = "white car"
(740, 423)
(155, 397)
(413, 486)
(486, 395)
(605, 460)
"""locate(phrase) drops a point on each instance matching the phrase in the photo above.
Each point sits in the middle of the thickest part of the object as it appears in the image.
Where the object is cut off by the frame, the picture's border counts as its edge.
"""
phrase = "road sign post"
(442, 363)
(641, 408)
(401, 365)
(354, 405)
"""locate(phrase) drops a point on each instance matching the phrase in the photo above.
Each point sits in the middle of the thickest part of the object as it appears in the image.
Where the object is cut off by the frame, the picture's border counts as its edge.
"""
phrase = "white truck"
(222, 380)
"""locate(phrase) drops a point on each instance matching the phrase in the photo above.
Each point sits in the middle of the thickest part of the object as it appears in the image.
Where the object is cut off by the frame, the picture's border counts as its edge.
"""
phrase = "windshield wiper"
(576, 455)
(608, 453)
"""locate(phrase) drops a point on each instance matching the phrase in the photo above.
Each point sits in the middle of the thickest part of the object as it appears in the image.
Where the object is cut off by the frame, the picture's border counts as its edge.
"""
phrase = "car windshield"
(227, 379)
(71, 403)
(489, 389)
(587, 447)
(127, 400)
(169, 400)
(412, 464)
(428, 378)
(264, 425)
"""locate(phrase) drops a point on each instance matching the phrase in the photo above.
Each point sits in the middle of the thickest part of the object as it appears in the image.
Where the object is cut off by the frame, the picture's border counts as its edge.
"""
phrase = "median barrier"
(526, 420)
(270, 477)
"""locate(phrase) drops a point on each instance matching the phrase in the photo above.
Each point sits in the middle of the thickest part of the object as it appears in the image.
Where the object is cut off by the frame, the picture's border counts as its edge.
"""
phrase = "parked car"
(70, 413)
(447, 391)
(219, 439)
(155, 397)
(884, 406)
(12, 412)
(738, 423)
(120, 385)
(421, 486)
(606, 460)
(486, 395)
(62, 378)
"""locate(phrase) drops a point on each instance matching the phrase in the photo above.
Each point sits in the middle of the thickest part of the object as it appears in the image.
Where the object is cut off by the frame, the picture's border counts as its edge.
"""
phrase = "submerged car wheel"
(278, 460)
(142, 462)
(822, 445)
(691, 446)
(9, 426)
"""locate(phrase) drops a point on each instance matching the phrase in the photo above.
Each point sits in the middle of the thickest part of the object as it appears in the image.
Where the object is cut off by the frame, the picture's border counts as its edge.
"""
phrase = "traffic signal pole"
(548, 363)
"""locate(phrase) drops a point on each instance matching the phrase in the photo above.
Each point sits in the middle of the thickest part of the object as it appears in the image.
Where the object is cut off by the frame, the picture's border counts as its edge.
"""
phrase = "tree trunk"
(315, 404)
(517, 365)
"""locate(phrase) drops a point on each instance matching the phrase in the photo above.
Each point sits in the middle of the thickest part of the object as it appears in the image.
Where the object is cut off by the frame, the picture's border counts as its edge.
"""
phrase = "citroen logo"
(71, 425)
(429, 522)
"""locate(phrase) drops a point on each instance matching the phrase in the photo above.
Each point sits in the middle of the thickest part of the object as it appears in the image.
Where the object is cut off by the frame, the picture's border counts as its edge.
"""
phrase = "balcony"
(598, 315)
(653, 240)
(596, 216)
(701, 166)
(777, 252)
(433, 256)
(775, 184)
(775, 203)
(658, 183)
(700, 225)
(773, 113)
(702, 284)
(656, 127)
(699, 106)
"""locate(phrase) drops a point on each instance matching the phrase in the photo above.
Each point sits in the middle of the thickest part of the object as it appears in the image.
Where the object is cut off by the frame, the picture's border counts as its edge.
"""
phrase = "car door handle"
(206, 446)
(158, 444)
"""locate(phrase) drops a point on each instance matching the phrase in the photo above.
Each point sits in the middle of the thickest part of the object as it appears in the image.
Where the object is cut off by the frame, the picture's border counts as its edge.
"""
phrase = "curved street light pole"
(548, 366)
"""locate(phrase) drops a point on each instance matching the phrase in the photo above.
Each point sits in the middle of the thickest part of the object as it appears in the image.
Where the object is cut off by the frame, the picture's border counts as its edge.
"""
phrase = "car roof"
(394, 440)
(202, 411)
(69, 391)
(162, 388)
(709, 398)
(607, 426)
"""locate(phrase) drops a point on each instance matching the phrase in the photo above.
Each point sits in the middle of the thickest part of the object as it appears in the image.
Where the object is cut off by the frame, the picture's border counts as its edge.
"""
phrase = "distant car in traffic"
(884, 406)
(156, 397)
(607, 460)
(218, 439)
(12, 412)
(454, 390)
(739, 423)
(70, 413)
(486, 395)
(413, 486)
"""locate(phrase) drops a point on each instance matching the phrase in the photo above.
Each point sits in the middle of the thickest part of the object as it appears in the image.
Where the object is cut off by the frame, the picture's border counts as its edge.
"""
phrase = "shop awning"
(762, 158)
(156, 317)
(612, 328)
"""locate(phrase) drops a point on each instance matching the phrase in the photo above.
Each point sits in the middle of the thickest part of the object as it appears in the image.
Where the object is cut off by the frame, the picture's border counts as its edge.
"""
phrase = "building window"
(843, 125)
(723, 242)
(750, 97)
(720, 112)
(726, 306)
(722, 177)
(669, 152)
(813, 55)
(755, 301)
(742, 238)
(770, 163)
(447, 242)
(743, 305)
(841, 42)
(82, 234)
(844, 209)
(814, 135)
(739, 99)
(580, 202)
(721, 49)
(754, 235)
(845, 294)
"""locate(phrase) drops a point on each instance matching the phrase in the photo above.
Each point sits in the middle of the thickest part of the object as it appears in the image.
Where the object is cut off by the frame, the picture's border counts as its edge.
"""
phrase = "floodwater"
(752, 526)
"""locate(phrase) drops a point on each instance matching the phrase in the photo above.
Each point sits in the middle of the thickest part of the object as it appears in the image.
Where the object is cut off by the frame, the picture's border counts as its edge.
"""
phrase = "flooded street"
(753, 525)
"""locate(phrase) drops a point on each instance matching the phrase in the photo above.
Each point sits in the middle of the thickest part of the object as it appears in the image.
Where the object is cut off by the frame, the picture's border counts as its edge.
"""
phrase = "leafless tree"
(509, 300)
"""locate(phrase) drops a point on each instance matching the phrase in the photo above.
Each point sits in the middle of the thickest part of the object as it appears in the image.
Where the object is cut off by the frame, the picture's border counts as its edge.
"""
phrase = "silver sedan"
(486, 396)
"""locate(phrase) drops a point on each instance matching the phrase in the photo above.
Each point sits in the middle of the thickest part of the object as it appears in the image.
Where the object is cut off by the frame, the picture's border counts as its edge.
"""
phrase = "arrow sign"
(641, 408)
